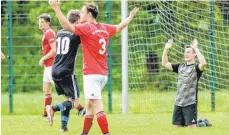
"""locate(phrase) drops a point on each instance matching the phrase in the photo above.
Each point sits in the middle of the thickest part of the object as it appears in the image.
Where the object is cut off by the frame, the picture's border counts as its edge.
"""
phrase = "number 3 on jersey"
(62, 45)
(102, 42)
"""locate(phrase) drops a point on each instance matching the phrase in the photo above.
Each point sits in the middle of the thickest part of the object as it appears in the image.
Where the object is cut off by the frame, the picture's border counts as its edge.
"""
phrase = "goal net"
(183, 21)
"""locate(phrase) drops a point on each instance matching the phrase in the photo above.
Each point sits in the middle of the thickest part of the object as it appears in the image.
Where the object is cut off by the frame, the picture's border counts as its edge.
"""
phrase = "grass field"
(150, 114)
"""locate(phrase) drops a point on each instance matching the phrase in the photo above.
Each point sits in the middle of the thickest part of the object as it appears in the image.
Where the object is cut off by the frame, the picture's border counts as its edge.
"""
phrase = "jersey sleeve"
(50, 36)
(111, 29)
(80, 29)
(175, 67)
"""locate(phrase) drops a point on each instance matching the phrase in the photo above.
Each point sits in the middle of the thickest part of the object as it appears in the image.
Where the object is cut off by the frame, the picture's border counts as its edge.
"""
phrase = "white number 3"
(102, 42)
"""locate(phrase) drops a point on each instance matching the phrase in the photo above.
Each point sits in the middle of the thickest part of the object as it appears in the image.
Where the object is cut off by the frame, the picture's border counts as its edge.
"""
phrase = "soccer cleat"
(203, 123)
(50, 114)
(199, 120)
(83, 133)
(208, 124)
(82, 112)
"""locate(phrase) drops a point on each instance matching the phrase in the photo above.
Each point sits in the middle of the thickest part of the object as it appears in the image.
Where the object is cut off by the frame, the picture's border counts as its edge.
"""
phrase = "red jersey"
(94, 39)
(48, 38)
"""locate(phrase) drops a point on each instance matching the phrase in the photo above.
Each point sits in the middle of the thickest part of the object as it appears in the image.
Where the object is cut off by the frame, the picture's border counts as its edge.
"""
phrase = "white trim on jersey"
(74, 86)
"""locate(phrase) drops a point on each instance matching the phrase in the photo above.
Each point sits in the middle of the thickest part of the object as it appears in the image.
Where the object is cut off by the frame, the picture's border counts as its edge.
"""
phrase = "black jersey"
(67, 45)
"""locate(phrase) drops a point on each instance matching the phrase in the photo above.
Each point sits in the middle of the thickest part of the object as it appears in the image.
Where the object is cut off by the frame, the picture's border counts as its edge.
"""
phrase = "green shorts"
(185, 116)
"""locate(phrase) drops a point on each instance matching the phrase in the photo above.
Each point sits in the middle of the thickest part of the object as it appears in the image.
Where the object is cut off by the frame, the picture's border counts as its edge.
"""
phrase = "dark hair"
(46, 17)
(189, 46)
(93, 9)
(73, 16)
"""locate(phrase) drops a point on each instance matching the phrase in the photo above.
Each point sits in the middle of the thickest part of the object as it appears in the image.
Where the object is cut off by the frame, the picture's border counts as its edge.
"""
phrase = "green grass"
(150, 113)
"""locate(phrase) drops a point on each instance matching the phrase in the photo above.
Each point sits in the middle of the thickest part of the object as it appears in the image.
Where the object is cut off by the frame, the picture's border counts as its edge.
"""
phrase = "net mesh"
(183, 21)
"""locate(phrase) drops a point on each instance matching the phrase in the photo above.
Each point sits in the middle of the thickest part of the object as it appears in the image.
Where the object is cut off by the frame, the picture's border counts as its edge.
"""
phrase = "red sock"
(47, 101)
(79, 107)
(102, 121)
(87, 123)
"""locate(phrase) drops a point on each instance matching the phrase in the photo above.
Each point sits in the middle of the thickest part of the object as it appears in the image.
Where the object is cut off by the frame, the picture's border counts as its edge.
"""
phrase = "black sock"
(58, 107)
(65, 114)
(64, 118)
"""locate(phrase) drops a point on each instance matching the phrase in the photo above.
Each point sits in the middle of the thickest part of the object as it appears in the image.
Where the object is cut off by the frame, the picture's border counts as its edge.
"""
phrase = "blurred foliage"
(27, 41)
(155, 23)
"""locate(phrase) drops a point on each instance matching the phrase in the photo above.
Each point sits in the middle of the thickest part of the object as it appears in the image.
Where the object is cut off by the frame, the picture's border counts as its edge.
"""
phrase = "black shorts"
(68, 87)
(185, 116)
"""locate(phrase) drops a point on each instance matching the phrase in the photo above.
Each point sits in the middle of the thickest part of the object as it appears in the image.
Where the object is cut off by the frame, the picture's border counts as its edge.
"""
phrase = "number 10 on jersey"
(63, 45)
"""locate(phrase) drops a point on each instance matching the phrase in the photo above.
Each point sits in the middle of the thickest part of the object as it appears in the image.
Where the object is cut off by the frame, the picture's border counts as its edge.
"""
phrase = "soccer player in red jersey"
(94, 37)
(48, 55)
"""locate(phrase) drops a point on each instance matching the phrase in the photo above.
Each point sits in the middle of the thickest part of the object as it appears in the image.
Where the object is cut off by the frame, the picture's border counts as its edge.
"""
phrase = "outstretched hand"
(194, 44)
(54, 4)
(169, 44)
(2, 56)
(134, 12)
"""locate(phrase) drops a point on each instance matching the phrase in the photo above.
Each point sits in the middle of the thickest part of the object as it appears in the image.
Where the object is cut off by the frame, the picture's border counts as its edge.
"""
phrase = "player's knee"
(97, 106)
(46, 91)
(87, 102)
(192, 125)
(67, 99)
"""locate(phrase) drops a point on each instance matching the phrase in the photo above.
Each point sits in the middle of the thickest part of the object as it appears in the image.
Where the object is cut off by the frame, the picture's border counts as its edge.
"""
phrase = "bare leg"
(192, 125)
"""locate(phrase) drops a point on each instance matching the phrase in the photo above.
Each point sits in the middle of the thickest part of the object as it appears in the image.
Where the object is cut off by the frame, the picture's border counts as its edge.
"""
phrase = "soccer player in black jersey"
(63, 76)
(189, 73)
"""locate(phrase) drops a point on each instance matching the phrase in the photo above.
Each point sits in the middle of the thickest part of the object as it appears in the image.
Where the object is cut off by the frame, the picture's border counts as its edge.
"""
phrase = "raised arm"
(202, 61)
(165, 62)
(55, 4)
(125, 22)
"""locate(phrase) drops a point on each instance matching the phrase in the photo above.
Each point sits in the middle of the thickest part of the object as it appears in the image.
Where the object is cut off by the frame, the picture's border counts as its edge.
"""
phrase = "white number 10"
(102, 42)
(63, 45)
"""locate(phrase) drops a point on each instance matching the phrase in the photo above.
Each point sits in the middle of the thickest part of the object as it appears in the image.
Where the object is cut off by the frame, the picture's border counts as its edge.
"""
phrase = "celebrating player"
(185, 108)
(48, 55)
(63, 72)
(94, 37)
